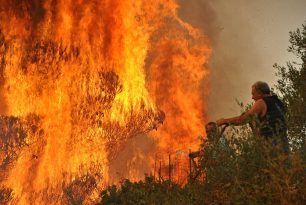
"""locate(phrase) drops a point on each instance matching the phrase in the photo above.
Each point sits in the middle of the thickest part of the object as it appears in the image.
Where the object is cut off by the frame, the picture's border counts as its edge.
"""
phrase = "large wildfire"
(80, 78)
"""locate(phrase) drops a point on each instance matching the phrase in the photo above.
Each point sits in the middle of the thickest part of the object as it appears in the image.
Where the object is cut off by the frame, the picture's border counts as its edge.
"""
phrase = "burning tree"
(92, 74)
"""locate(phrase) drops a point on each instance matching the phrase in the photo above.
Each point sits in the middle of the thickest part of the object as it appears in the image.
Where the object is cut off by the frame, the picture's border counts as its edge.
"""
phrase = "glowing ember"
(80, 78)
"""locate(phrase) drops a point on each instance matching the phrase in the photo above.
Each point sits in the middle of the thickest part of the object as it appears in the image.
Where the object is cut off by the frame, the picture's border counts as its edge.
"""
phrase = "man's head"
(259, 90)
(211, 129)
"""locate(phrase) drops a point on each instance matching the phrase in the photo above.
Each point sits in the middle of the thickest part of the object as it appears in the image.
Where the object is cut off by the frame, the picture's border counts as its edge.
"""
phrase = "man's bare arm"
(257, 109)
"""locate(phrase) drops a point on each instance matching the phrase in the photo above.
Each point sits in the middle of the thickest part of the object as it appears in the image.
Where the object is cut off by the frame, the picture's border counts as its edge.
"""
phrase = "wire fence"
(177, 167)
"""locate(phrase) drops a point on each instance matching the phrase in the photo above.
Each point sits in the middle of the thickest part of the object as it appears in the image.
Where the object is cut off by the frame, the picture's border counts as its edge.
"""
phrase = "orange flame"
(96, 73)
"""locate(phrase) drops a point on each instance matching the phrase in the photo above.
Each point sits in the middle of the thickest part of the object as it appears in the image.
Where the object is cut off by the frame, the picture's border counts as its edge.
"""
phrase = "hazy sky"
(248, 37)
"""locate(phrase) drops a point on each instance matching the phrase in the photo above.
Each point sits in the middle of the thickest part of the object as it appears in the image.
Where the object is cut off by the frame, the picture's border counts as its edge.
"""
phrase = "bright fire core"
(80, 78)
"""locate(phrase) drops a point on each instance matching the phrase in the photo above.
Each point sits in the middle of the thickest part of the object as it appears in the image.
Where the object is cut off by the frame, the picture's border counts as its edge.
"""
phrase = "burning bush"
(80, 189)
(16, 133)
(5, 195)
(13, 138)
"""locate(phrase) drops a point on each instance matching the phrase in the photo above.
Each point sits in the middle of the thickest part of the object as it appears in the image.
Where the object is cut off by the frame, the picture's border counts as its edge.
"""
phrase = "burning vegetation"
(80, 78)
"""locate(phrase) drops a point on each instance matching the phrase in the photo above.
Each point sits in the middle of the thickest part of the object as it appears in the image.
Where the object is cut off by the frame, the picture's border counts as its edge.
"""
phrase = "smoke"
(247, 37)
(234, 60)
(133, 162)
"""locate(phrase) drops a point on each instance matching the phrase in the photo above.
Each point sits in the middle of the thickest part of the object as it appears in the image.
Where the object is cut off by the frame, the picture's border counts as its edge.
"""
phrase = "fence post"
(160, 174)
(169, 167)
(190, 177)
(154, 167)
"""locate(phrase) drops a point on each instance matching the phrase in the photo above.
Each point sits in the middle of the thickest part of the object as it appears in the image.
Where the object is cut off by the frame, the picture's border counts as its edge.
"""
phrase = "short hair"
(262, 87)
(212, 124)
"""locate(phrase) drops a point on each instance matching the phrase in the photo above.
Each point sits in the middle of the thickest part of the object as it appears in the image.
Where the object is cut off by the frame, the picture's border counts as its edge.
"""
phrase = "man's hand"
(194, 154)
(221, 121)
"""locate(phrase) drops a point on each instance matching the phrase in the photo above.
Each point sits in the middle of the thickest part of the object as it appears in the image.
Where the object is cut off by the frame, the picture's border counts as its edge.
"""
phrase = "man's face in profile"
(210, 129)
(255, 94)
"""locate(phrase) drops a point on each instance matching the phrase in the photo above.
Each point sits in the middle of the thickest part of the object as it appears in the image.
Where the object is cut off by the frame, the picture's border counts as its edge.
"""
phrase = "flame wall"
(96, 73)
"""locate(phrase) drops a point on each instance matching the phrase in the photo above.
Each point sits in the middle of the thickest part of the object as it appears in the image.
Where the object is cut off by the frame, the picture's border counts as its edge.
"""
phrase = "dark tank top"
(273, 123)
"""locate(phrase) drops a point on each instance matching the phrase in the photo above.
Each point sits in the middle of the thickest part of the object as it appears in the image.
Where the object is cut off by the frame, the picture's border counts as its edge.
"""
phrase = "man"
(269, 111)
(213, 137)
(214, 144)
